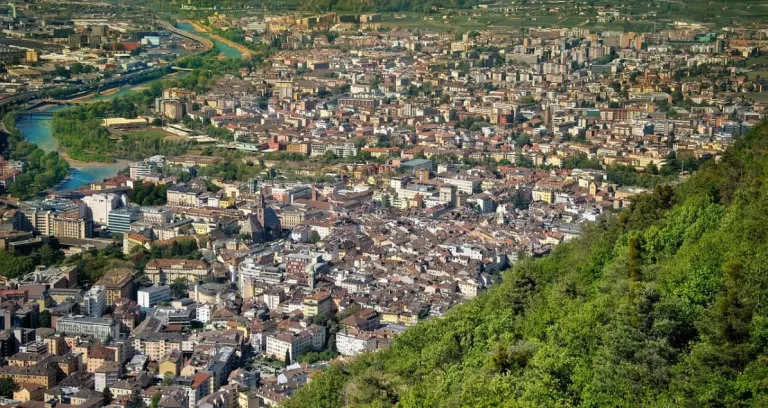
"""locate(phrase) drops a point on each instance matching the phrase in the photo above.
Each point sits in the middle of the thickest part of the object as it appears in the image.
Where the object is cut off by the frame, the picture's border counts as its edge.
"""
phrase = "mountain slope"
(663, 305)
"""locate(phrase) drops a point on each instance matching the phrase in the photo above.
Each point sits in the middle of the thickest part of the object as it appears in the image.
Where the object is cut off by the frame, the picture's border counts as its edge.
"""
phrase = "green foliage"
(662, 305)
(179, 288)
(43, 170)
(44, 319)
(232, 167)
(80, 130)
(628, 176)
(93, 264)
(15, 265)
(182, 247)
(7, 386)
(155, 402)
(148, 194)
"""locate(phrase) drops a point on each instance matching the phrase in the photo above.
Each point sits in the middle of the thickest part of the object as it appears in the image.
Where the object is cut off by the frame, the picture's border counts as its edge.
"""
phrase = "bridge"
(62, 101)
(38, 114)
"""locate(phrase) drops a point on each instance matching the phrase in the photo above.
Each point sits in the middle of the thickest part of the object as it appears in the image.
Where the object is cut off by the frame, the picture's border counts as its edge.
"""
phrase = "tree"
(314, 237)
(44, 319)
(107, 396)
(168, 378)
(156, 400)
(287, 358)
(179, 288)
(7, 387)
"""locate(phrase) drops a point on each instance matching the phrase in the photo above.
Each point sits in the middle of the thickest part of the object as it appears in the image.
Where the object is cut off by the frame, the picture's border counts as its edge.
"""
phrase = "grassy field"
(647, 15)
(757, 96)
(157, 133)
(762, 73)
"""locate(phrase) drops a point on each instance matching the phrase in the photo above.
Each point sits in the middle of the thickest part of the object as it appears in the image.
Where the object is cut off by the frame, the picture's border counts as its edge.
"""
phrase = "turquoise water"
(226, 50)
(39, 131)
(126, 89)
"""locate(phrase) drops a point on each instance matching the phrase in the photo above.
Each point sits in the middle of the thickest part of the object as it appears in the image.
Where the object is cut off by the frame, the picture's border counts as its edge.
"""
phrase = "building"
(151, 296)
(166, 271)
(95, 301)
(119, 284)
(412, 166)
(317, 304)
(182, 196)
(464, 183)
(120, 219)
(352, 342)
(41, 374)
(157, 345)
(294, 345)
(100, 328)
(98, 206)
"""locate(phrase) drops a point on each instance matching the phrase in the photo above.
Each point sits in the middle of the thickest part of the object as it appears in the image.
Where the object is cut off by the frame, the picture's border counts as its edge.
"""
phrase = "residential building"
(151, 296)
(95, 301)
(100, 328)
(166, 271)
(119, 284)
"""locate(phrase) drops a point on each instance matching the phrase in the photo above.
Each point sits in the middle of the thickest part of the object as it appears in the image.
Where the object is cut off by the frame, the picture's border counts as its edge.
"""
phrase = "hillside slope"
(664, 305)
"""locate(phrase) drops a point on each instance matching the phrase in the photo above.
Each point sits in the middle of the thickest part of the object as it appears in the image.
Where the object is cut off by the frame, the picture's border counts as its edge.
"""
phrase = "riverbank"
(243, 50)
(84, 164)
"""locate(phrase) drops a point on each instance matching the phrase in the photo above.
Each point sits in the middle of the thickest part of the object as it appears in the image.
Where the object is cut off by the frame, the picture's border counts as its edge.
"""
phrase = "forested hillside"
(665, 305)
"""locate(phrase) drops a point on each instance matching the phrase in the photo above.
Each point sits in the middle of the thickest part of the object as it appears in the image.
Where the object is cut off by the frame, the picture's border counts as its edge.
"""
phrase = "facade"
(120, 220)
(119, 284)
(317, 304)
(295, 344)
(182, 196)
(166, 271)
(351, 342)
(45, 376)
(99, 328)
(95, 301)
(151, 296)
(100, 205)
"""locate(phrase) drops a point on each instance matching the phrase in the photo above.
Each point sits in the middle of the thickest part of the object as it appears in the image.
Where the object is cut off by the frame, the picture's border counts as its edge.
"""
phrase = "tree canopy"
(660, 305)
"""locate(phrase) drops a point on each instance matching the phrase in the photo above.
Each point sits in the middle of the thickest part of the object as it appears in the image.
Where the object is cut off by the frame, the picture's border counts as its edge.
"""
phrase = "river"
(225, 49)
(39, 130)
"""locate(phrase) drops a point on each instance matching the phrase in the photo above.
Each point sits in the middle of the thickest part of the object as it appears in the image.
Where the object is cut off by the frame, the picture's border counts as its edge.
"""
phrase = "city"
(226, 205)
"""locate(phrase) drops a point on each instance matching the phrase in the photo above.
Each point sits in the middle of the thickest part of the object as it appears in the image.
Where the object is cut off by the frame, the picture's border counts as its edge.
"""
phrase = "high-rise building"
(100, 205)
(120, 220)
(95, 301)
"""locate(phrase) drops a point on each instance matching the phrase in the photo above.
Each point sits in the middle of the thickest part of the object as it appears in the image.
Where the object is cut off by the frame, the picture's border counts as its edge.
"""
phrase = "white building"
(203, 313)
(100, 205)
(296, 344)
(352, 342)
(95, 301)
(151, 296)
(99, 328)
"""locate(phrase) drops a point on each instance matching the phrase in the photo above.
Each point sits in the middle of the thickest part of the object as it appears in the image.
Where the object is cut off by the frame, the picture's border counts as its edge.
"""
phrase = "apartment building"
(95, 301)
(295, 344)
(151, 296)
(100, 328)
(118, 283)
(166, 271)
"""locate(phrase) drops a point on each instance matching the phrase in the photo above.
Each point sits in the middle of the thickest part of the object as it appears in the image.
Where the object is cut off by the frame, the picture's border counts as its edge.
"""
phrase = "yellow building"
(29, 392)
(546, 195)
(30, 375)
(317, 304)
(119, 284)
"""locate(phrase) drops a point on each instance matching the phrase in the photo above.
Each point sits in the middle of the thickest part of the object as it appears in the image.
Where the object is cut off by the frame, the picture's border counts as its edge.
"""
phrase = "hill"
(662, 305)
